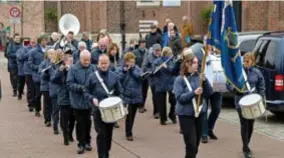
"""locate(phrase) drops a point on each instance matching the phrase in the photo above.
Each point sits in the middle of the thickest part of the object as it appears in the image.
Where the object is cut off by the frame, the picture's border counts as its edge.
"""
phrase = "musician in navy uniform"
(36, 56)
(44, 86)
(129, 74)
(76, 80)
(59, 76)
(163, 81)
(95, 94)
(190, 125)
(256, 81)
(140, 53)
(147, 67)
(76, 54)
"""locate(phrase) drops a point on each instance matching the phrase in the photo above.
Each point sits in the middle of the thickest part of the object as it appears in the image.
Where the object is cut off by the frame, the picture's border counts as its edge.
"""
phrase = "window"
(148, 3)
(270, 56)
(260, 51)
(171, 3)
(247, 46)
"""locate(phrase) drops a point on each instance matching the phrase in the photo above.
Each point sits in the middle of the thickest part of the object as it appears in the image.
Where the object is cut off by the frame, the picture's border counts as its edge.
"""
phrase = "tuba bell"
(68, 23)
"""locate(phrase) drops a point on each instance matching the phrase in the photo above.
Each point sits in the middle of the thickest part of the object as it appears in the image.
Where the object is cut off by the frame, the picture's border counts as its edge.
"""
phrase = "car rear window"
(266, 51)
(247, 46)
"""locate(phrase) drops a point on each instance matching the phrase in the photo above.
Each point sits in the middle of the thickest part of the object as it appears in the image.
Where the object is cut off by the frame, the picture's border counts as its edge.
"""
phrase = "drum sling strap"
(193, 99)
(103, 84)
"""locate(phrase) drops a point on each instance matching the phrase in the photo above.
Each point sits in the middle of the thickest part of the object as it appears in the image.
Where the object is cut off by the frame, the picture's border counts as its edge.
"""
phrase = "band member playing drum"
(59, 77)
(44, 86)
(147, 67)
(190, 124)
(163, 81)
(256, 82)
(96, 92)
(76, 80)
(35, 58)
(132, 90)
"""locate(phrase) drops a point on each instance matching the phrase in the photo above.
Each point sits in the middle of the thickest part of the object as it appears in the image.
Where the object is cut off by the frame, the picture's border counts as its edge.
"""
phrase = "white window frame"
(154, 3)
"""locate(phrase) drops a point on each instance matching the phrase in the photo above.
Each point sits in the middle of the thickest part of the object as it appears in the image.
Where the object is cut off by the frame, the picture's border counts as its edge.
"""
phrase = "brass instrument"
(67, 23)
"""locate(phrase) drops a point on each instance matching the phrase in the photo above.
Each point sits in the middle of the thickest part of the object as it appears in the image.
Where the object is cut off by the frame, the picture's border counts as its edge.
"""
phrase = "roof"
(277, 34)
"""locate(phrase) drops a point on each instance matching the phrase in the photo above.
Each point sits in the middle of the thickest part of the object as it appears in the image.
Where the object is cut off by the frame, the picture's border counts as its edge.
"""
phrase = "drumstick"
(202, 71)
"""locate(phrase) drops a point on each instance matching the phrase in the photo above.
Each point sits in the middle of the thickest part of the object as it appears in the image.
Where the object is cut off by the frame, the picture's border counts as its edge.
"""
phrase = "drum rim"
(120, 102)
(251, 103)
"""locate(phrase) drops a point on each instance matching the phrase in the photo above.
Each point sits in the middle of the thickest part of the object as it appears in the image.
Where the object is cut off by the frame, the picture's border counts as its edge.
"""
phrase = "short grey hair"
(82, 44)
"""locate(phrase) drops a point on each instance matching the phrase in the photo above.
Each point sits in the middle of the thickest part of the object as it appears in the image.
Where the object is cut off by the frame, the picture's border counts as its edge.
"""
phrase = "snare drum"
(215, 74)
(252, 106)
(112, 109)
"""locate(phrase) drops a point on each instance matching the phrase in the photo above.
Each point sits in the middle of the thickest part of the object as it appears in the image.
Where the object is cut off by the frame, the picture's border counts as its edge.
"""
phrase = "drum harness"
(109, 94)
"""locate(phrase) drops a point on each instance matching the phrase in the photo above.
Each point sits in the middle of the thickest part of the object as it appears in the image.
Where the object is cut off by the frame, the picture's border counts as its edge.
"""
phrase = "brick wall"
(133, 14)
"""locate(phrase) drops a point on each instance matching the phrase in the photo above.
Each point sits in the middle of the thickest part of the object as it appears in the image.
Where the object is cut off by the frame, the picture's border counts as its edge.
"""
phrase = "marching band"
(78, 80)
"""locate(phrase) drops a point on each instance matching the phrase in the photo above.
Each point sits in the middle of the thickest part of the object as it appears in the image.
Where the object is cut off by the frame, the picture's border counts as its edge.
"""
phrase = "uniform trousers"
(130, 118)
(104, 135)
(67, 121)
(47, 106)
(14, 79)
(161, 98)
(246, 130)
(37, 97)
(83, 126)
(21, 85)
(145, 87)
(55, 112)
(155, 101)
(30, 90)
(192, 131)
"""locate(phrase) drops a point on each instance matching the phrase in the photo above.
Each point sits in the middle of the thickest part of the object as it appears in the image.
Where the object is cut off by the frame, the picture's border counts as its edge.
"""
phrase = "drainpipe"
(122, 25)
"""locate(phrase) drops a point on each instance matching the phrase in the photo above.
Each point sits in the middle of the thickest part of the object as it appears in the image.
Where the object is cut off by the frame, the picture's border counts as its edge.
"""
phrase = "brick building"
(94, 15)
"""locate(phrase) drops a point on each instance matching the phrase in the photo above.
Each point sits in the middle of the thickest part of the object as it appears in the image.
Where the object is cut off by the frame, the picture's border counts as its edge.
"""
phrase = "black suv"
(269, 55)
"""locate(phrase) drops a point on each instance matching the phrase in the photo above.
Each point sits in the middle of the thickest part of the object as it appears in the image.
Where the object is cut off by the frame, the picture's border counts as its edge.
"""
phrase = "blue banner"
(223, 35)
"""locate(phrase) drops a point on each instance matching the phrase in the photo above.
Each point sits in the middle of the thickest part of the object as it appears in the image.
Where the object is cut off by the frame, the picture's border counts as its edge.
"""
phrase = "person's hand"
(202, 77)
(62, 67)
(95, 102)
(198, 91)
(164, 65)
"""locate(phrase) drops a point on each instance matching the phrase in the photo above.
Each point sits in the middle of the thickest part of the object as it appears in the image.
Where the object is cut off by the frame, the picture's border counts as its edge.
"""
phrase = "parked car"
(246, 40)
(269, 53)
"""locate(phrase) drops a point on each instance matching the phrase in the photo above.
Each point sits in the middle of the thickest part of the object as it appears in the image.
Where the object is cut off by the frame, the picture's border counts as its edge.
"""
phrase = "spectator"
(186, 31)
(86, 39)
(3, 37)
(175, 43)
(165, 29)
(154, 37)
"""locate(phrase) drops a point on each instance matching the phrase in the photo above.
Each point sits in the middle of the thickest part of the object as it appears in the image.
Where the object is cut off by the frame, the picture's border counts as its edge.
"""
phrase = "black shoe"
(212, 136)
(163, 123)
(37, 114)
(19, 97)
(14, 93)
(47, 123)
(129, 138)
(174, 119)
(204, 139)
(247, 154)
(88, 147)
(71, 139)
(80, 150)
(116, 125)
(31, 109)
(142, 110)
(156, 116)
(55, 131)
(66, 142)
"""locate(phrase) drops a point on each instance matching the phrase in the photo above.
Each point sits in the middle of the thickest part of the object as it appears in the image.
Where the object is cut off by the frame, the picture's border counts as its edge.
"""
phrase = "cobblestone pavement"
(22, 135)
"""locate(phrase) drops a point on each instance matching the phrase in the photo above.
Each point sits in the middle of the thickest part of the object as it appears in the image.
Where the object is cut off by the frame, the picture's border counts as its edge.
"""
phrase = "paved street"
(25, 136)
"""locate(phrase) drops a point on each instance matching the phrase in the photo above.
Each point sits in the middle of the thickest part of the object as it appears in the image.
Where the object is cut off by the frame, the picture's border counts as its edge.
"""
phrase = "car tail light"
(279, 83)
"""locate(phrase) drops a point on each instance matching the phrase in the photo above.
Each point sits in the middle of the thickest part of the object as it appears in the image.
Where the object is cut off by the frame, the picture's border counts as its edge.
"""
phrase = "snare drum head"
(250, 99)
(108, 102)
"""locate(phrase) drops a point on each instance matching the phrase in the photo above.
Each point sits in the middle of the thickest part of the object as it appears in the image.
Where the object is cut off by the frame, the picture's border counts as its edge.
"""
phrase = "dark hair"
(71, 32)
(41, 38)
(16, 34)
(99, 34)
(1, 24)
(110, 47)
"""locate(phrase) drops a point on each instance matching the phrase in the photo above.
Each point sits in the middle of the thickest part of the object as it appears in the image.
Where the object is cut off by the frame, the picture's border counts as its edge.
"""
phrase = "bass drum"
(215, 73)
